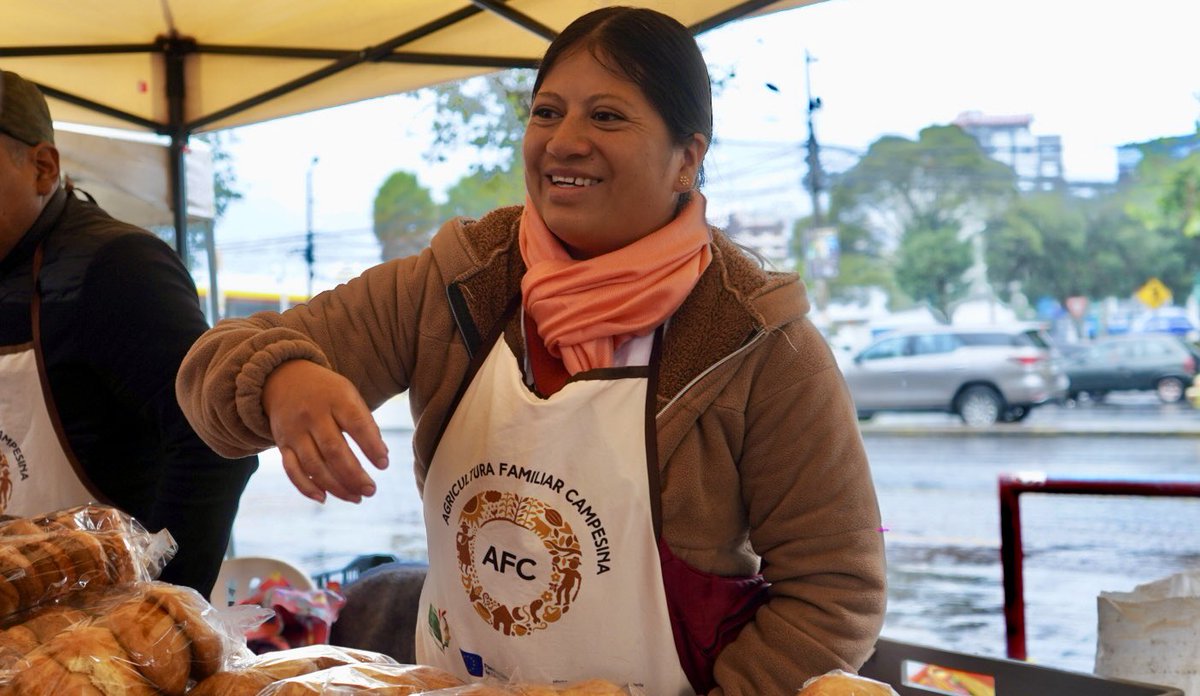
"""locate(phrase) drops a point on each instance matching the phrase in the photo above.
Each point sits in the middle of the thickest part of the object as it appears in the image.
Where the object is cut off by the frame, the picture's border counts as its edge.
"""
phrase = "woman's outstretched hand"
(309, 408)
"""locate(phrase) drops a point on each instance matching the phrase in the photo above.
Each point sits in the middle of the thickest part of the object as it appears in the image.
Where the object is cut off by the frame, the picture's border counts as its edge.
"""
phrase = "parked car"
(984, 374)
(1161, 363)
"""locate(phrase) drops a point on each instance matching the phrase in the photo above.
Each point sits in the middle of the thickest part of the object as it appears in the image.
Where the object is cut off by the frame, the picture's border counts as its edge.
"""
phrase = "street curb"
(1021, 431)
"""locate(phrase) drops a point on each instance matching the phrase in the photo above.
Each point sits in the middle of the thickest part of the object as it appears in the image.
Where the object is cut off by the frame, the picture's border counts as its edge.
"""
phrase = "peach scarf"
(586, 309)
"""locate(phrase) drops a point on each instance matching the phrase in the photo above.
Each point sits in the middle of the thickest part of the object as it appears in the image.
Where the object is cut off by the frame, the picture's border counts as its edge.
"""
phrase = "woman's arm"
(358, 346)
(814, 520)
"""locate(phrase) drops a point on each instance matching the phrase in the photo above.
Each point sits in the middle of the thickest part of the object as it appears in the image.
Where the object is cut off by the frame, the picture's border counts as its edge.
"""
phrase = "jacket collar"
(46, 220)
(734, 300)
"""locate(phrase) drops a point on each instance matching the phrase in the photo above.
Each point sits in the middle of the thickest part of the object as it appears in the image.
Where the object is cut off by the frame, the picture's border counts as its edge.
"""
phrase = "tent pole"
(173, 53)
(175, 50)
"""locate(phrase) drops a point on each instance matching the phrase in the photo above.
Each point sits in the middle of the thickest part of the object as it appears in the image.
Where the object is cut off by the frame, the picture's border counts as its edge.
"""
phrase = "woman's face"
(600, 165)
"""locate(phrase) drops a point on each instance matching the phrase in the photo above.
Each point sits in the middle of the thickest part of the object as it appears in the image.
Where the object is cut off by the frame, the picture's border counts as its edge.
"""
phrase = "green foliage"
(225, 189)
(941, 180)
(1041, 241)
(483, 190)
(405, 216)
(930, 266)
(1165, 193)
(914, 197)
(487, 114)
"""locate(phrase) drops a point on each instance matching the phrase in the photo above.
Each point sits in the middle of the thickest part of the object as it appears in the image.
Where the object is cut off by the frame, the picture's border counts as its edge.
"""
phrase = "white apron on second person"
(38, 472)
(543, 561)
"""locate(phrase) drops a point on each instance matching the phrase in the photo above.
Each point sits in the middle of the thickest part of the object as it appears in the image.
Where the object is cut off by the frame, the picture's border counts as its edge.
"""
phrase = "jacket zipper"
(753, 339)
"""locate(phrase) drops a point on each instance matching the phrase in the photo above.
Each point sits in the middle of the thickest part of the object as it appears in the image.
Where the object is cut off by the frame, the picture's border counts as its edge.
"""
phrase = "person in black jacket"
(95, 317)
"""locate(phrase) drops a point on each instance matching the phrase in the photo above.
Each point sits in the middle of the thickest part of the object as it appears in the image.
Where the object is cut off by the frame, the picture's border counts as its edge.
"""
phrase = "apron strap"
(35, 312)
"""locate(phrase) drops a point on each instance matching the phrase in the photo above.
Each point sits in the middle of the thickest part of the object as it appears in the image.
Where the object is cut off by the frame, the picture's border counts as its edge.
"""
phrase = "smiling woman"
(708, 468)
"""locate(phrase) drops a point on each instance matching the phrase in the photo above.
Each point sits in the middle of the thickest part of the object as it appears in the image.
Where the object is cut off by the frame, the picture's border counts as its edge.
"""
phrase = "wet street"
(937, 483)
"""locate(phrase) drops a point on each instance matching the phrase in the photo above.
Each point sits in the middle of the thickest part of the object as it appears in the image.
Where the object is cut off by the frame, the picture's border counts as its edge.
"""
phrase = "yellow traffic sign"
(1153, 293)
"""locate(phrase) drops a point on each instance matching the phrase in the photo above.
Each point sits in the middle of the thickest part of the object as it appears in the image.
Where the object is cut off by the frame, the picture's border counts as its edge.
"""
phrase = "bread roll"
(10, 596)
(118, 556)
(375, 679)
(19, 526)
(238, 682)
(593, 687)
(839, 683)
(42, 675)
(15, 643)
(190, 613)
(94, 653)
(18, 570)
(155, 644)
(296, 661)
(87, 556)
(52, 620)
(53, 570)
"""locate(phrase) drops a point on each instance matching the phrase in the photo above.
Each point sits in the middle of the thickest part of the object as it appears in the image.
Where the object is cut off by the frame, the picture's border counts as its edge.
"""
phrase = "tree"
(485, 113)
(405, 216)
(928, 189)
(485, 189)
(930, 265)
(225, 189)
(938, 182)
(1044, 242)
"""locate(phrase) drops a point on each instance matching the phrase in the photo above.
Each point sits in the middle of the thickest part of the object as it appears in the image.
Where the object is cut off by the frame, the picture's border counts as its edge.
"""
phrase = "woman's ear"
(45, 159)
(689, 168)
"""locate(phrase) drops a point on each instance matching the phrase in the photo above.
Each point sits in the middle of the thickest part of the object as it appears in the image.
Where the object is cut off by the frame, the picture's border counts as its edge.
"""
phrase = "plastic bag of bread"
(585, 687)
(840, 683)
(365, 678)
(160, 639)
(247, 677)
(44, 558)
(35, 627)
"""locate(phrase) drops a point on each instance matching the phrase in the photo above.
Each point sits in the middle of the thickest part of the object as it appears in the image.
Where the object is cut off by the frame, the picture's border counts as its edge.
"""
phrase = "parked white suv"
(984, 374)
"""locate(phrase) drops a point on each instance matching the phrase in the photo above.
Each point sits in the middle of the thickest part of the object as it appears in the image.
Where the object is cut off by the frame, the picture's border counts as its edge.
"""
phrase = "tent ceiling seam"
(500, 9)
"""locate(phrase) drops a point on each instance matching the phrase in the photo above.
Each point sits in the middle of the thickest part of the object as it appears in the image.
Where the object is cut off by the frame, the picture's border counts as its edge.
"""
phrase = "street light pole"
(309, 255)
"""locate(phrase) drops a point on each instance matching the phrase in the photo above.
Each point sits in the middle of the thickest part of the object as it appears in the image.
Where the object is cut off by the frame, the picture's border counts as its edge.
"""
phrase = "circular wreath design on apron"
(559, 540)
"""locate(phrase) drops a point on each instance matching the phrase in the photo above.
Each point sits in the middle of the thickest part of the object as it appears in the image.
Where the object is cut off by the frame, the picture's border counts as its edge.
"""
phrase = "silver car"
(984, 375)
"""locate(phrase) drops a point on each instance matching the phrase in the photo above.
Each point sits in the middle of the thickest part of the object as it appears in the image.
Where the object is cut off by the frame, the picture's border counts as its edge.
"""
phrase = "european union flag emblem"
(473, 662)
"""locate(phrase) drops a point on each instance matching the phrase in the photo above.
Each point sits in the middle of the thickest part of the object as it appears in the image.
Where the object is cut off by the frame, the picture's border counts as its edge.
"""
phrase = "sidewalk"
(1049, 421)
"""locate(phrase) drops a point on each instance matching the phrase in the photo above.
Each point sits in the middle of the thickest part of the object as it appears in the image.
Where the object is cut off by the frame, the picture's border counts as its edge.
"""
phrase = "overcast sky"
(1097, 73)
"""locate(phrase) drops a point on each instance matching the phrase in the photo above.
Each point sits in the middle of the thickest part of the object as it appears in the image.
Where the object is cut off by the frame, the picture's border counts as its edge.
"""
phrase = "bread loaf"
(839, 683)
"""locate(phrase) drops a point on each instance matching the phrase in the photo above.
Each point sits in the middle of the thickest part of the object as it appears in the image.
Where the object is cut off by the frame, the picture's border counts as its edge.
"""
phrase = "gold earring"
(685, 181)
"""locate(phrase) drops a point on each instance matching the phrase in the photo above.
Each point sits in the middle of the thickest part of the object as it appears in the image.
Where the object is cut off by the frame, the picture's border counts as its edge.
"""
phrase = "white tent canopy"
(179, 67)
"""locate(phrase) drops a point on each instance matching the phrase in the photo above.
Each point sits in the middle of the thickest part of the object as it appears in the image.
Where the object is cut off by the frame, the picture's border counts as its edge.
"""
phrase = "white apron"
(543, 562)
(37, 473)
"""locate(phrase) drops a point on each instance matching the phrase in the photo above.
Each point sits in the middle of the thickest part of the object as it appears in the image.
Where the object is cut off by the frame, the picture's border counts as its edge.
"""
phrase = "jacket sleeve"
(365, 329)
(140, 313)
(814, 520)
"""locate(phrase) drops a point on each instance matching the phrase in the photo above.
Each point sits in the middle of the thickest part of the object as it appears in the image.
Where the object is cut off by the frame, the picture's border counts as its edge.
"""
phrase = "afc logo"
(503, 560)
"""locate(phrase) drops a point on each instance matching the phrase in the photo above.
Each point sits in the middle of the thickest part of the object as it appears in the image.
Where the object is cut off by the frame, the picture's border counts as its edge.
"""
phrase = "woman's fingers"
(360, 425)
(311, 410)
(350, 481)
(291, 466)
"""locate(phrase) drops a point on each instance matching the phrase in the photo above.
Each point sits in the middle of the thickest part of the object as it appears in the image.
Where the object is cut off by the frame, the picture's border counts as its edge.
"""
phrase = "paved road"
(938, 498)
(1131, 413)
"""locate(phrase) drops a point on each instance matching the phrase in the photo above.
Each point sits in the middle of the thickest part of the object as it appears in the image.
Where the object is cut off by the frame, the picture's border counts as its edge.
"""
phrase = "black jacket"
(119, 311)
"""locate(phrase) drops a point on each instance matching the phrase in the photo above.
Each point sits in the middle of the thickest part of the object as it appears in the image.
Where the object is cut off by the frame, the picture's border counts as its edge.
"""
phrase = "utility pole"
(815, 182)
(309, 255)
(815, 178)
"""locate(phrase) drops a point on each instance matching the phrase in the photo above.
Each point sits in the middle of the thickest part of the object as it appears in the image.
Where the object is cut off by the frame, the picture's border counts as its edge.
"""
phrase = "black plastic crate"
(353, 569)
(895, 663)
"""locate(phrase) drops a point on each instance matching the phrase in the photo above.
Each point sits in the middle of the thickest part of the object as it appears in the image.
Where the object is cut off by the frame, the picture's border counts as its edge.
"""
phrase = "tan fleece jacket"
(762, 463)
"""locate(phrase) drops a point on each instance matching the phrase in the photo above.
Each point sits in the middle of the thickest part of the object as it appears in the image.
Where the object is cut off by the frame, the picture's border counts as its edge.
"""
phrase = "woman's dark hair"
(652, 50)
